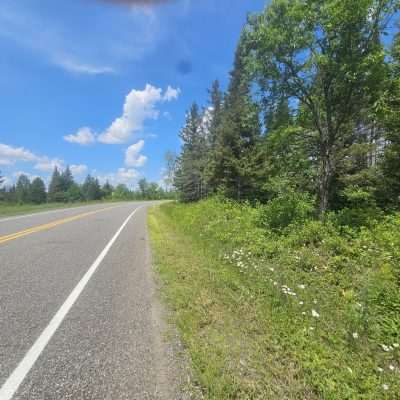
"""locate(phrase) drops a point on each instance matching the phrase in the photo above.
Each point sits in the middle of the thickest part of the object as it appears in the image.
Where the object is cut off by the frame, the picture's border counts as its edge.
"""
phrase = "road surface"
(78, 315)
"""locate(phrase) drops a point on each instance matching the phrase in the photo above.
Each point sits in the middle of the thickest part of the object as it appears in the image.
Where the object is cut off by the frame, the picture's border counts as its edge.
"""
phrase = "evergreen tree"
(235, 162)
(23, 189)
(56, 193)
(67, 180)
(74, 193)
(107, 190)
(91, 189)
(190, 177)
(38, 191)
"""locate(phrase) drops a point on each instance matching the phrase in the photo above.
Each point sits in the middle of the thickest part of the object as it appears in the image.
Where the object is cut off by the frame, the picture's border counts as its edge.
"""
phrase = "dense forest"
(63, 189)
(311, 111)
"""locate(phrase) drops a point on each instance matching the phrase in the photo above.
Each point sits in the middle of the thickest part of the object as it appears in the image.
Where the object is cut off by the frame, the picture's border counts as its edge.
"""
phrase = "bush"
(286, 209)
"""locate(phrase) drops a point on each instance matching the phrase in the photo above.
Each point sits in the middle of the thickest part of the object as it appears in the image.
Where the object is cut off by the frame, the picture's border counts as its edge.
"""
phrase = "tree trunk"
(325, 180)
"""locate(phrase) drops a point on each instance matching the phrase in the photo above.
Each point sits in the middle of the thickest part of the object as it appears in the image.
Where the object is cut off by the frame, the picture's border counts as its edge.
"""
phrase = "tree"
(121, 192)
(329, 58)
(74, 193)
(91, 189)
(234, 167)
(107, 190)
(56, 192)
(67, 180)
(23, 189)
(190, 177)
(171, 164)
(38, 191)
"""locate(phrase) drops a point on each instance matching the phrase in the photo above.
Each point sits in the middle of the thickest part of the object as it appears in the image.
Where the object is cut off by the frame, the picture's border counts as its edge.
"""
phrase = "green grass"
(225, 275)
(8, 210)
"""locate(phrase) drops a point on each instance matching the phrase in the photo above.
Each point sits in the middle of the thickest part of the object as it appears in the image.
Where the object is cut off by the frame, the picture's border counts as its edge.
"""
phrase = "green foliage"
(320, 298)
(38, 191)
(286, 209)
(23, 189)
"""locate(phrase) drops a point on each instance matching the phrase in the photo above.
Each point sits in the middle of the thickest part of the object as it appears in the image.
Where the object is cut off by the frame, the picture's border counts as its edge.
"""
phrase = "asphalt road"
(79, 317)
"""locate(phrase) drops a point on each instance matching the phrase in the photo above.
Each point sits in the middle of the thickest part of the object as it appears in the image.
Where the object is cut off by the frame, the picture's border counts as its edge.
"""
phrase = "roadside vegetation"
(282, 259)
(30, 196)
(305, 310)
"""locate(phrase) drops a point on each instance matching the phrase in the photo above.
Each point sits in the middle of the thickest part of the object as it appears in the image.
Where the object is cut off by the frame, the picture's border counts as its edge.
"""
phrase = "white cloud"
(140, 105)
(127, 176)
(48, 165)
(78, 67)
(171, 93)
(84, 136)
(78, 169)
(10, 155)
(133, 158)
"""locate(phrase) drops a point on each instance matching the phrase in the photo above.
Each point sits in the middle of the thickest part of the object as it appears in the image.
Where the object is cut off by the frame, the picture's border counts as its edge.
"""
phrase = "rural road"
(78, 312)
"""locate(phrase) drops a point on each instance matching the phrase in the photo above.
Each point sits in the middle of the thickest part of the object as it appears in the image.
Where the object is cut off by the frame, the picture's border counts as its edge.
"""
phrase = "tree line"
(63, 189)
(312, 107)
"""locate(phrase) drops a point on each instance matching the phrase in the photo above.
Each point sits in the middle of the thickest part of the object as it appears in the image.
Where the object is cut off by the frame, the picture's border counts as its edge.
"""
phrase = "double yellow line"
(50, 225)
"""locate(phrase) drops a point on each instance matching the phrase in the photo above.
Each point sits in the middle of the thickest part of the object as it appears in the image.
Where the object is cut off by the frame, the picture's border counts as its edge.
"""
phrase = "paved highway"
(78, 314)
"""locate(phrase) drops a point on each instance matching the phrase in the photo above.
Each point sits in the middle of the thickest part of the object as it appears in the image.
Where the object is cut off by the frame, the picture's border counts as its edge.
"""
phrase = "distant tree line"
(312, 106)
(63, 189)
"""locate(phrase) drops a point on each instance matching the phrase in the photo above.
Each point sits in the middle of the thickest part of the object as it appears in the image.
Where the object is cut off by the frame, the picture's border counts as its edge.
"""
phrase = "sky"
(103, 85)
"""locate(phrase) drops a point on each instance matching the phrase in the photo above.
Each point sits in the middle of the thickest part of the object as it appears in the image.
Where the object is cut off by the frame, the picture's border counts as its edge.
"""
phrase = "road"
(79, 318)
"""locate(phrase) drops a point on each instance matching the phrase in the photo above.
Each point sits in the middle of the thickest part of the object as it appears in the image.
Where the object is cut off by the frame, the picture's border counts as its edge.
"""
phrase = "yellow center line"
(50, 225)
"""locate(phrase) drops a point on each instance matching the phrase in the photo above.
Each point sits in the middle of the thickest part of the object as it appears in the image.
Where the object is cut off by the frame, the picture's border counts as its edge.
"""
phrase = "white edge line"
(13, 382)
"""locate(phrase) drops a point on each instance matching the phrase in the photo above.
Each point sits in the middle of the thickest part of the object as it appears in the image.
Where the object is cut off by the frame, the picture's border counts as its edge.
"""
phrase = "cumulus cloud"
(48, 165)
(84, 136)
(10, 155)
(126, 176)
(133, 158)
(139, 106)
(171, 94)
(78, 169)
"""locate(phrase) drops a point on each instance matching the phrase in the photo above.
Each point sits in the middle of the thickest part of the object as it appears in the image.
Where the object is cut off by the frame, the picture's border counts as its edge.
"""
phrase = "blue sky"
(104, 87)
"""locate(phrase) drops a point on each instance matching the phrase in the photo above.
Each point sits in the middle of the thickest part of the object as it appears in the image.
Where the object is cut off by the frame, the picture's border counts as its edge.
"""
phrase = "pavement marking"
(13, 382)
(50, 225)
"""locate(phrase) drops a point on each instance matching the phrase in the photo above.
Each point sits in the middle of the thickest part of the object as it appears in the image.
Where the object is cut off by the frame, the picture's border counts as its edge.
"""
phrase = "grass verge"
(310, 314)
(9, 210)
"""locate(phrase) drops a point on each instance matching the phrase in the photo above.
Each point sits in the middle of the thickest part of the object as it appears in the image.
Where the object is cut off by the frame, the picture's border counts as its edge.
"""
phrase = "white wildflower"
(275, 283)
(301, 302)
(391, 367)
(314, 314)
(385, 386)
(355, 335)
(384, 347)
(311, 328)
(303, 313)
(302, 287)
(396, 345)
(315, 301)
(379, 369)
(271, 269)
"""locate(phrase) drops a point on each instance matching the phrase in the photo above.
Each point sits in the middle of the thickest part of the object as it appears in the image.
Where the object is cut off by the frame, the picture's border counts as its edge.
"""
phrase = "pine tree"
(38, 191)
(190, 178)
(107, 190)
(22, 189)
(91, 189)
(56, 193)
(235, 161)
(67, 180)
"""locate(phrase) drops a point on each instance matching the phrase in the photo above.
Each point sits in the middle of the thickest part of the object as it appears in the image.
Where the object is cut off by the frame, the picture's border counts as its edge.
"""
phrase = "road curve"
(78, 316)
